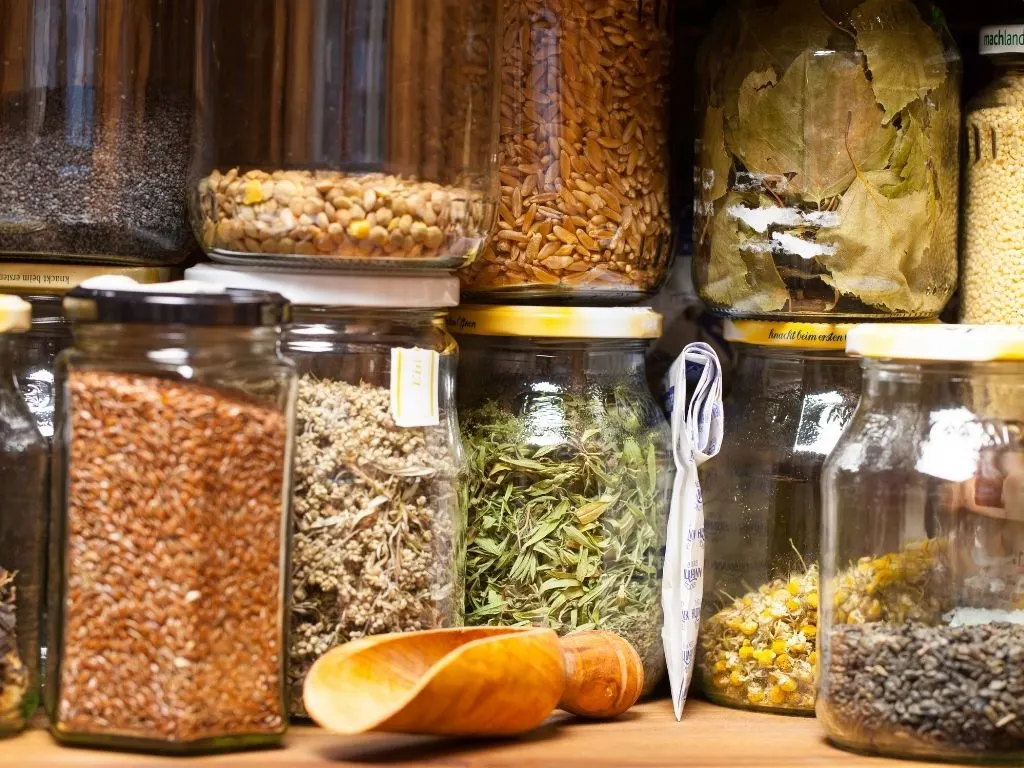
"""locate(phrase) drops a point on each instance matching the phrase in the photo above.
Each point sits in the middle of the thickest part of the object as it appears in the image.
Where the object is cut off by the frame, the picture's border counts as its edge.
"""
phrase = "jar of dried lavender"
(379, 529)
(922, 558)
(22, 533)
(172, 462)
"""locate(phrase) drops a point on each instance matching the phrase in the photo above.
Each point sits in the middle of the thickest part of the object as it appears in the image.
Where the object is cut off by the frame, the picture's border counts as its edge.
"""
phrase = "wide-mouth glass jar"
(23, 517)
(95, 112)
(993, 206)
(570, 472)
(378, 541)
(172, 485)
(922, 604)
(828, 160)
(794, 391)
(584, 213)
(345, 134)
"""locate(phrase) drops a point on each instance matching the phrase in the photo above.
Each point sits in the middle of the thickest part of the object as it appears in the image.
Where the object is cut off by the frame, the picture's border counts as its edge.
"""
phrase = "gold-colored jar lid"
(557, 322)
(951, 343)
(768, 333)
(56, 279)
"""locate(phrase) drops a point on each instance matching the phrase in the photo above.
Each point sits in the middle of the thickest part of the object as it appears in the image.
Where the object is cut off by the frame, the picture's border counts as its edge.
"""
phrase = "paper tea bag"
(696, 437)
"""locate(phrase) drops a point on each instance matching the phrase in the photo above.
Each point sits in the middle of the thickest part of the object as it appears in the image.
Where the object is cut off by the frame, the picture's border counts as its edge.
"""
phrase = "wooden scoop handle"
(603, 674)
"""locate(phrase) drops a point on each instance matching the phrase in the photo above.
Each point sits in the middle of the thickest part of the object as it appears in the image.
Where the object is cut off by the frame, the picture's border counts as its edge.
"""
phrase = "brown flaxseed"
(173, 611)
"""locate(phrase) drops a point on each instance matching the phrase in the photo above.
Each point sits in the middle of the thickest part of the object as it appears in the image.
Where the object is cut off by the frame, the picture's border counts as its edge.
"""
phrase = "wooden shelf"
(708, 737)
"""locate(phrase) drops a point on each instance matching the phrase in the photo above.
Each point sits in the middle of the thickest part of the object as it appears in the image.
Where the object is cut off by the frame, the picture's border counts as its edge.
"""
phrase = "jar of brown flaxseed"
(173, 460)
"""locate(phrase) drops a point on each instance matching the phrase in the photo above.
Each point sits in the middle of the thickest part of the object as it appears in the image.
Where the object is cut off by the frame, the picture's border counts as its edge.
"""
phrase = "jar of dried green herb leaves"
(22, 533)
(172, 477)
(570, 471)
(378, 537)
(827, 164)
(793, 392)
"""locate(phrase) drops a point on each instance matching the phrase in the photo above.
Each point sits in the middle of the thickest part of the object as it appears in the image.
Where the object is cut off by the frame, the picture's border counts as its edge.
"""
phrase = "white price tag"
(414, 374)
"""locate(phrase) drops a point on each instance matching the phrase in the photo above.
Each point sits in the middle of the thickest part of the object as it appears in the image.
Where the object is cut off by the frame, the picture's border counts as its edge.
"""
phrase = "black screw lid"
(174, 304)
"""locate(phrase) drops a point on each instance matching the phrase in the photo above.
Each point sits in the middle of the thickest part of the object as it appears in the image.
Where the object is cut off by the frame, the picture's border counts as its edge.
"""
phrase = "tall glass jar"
(993, 205)
(345, 133)
(378, 542)
(828, 157)
(570, 472)
(922, 620)
(584, 211)
(172, 485)
(95, 109)
(794, 391)
(22, 534)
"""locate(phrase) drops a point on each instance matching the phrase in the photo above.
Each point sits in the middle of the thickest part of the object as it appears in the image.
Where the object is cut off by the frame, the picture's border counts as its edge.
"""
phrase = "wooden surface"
(709, 737)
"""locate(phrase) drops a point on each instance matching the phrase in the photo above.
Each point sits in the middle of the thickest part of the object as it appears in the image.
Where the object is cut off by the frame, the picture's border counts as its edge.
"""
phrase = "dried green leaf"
(879, 242)
(909, 161)
(715, 162)
(741, 272)
(816, 127)
(904, 55)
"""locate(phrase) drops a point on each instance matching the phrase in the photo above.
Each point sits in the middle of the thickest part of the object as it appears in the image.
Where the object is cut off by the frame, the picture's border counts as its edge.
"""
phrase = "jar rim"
(356, 291)
(556, 322)
(949, 343)
(768, 333)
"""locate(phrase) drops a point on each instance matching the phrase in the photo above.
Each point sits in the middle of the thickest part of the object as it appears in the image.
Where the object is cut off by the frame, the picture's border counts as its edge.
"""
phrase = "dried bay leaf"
(880, 241)
(817, 126)
(715, 162)
(904, 55)
(741, 272)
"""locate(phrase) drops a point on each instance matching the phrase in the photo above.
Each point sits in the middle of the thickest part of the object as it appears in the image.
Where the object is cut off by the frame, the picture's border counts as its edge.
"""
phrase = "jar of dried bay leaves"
(343, 134)
(378, 536)
(570, 472)
(828, 160)
(583, 153)
(794, 390)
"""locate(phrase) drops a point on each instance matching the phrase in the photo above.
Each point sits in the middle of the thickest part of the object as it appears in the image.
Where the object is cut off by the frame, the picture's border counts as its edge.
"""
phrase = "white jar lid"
(952, 343)
(337, 290)
(1002, 38)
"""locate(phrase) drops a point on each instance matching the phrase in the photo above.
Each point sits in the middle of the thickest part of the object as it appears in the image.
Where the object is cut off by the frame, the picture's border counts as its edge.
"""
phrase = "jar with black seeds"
(95, 113)
(922, 583)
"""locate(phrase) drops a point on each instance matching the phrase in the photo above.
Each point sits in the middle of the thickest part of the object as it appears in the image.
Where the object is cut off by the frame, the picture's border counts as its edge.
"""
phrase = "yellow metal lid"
(557, 322)
(783, 334)
(37, 279)
(955, 343)
(15, 314)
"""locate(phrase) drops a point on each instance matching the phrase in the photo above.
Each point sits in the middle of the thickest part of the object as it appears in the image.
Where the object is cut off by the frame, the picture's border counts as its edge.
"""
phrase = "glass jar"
(794, 391)
(172, 478)
(22, 534)
(584, 210)
(94, 124)
(34, 353)
(345, 133)
(993, 239)
(827, 165)
(570, 472)
(922, 604)
(378, 542)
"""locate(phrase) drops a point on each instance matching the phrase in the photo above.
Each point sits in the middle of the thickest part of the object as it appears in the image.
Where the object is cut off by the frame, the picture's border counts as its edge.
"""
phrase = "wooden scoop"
(477, 681)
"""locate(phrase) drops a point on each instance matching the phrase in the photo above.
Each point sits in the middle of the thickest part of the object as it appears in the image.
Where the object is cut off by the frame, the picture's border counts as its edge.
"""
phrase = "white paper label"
(696, 437)
(414, 375)
(1008, 38)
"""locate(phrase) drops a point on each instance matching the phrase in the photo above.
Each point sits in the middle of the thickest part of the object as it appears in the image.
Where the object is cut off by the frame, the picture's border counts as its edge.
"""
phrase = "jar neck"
(1008, 64)
(312, 327)
(607, 357)
(934, 382)
(174, 344)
